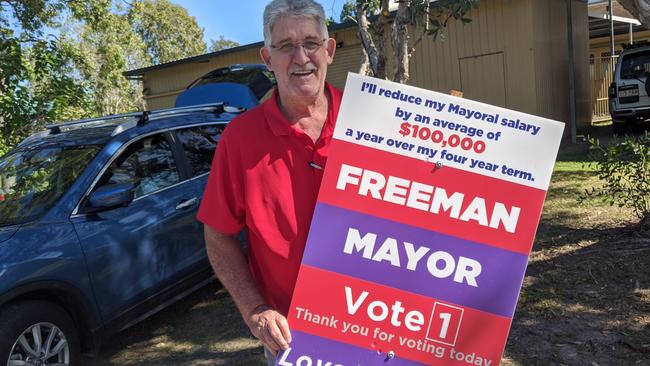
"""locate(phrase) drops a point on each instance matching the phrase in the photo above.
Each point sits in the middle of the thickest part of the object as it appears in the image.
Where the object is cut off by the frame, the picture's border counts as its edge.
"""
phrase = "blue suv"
(98, 228)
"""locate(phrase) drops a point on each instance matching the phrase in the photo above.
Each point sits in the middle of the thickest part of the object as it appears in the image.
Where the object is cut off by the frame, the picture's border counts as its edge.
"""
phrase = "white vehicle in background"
(629, 93)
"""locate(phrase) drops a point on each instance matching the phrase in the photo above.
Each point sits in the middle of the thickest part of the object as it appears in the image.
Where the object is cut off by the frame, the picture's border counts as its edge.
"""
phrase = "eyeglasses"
(289, 48)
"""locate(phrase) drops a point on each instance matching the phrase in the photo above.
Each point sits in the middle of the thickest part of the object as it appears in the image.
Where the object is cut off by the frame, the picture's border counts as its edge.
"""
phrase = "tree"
(37, 80)
(133, 35)
(167, 30)
(640, 9)
(75, 71)
(222, 44)
(422, 17)
(104, 50)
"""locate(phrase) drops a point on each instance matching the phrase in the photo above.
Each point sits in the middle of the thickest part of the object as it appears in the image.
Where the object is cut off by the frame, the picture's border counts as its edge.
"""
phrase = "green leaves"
(222, 44)
(77, 72)
(167, 30)
(624, 168)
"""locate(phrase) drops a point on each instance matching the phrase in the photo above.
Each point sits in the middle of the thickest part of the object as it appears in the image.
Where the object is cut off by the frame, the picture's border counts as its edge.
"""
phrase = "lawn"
(585, 299)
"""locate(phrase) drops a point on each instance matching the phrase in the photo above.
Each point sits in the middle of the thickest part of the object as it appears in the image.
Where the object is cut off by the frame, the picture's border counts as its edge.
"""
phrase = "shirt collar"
(278, 122)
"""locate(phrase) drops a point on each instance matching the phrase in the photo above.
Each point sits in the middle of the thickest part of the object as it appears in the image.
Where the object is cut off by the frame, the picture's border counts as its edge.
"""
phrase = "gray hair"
(298, 8)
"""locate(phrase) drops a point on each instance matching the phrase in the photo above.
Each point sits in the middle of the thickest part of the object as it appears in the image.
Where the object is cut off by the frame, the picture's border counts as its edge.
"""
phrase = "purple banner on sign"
(449, 268)
(307, 349)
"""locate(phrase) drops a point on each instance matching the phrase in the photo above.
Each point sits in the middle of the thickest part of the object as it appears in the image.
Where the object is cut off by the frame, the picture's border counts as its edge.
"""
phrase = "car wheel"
(37, 333)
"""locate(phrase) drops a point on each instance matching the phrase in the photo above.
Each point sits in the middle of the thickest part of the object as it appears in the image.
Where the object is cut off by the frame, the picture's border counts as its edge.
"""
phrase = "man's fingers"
(275, 334)
(271, 328)
(284, 329)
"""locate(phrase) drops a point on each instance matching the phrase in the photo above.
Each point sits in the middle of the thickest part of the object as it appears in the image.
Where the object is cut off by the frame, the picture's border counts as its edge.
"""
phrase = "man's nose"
(300, 55)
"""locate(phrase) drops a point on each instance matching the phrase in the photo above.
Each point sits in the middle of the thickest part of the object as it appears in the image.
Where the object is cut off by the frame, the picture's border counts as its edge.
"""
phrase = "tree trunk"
(379, 28)
(369, 51)
(400, 38)
(364, 69)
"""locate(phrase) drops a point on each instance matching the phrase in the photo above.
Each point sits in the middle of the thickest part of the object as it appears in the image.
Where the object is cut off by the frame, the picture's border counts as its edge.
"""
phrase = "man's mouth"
(302, 72)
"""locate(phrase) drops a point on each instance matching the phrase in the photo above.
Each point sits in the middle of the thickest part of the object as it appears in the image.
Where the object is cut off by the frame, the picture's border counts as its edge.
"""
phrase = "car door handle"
(187, 203)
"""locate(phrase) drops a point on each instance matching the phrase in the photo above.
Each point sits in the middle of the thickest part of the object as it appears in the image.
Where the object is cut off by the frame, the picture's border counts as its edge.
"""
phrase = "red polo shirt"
(262, 177)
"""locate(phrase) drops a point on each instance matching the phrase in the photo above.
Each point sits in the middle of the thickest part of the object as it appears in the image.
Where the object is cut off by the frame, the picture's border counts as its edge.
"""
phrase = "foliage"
(624, 168)
(63, 59)
(38, 86)
(37, 79)
(167, 30)
(414, 20)
(222, 44)
(347, 12)
(104, 50)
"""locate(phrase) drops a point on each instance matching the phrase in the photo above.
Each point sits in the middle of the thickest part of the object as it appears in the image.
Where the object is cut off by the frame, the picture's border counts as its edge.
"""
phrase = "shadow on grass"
(204, 329)
(573, 152)
(590, 306)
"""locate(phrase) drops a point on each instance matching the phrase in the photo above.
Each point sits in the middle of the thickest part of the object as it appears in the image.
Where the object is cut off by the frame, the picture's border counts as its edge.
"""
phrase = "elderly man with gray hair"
(267, 172)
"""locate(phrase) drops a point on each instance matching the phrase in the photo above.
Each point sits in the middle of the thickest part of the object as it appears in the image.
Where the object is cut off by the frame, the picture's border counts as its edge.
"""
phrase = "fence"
(601, 75)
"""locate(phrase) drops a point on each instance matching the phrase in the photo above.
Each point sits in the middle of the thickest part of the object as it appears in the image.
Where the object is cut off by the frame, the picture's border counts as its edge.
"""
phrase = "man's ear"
(330, 48)
(266, 57)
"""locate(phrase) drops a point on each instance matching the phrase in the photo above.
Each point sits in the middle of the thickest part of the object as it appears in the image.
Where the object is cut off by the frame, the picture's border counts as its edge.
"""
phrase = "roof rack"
(89, 122)
(636, 44)
(130, 120)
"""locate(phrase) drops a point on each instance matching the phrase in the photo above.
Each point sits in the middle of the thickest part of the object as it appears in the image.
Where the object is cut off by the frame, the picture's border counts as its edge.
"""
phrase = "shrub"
(623, 166)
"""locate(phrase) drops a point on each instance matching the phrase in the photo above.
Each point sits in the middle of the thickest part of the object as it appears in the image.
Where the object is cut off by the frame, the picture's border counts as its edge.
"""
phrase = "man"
(267, 172)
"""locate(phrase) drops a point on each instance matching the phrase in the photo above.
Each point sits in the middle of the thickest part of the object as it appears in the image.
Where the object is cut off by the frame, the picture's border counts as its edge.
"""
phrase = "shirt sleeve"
(222, 207)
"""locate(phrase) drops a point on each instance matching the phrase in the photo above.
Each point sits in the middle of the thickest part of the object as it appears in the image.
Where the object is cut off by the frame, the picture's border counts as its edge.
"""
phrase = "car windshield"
(32, 181)
(635, 65)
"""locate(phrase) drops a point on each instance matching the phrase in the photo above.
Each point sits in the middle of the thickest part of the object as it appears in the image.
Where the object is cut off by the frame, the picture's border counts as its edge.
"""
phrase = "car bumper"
(628, 114)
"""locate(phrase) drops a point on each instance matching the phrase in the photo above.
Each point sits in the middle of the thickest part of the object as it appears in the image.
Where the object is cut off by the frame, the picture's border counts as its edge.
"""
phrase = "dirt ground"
(585, 298)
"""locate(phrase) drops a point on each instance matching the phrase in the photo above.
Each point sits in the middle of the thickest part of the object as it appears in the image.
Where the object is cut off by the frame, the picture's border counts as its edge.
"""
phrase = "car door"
(134, 252)
(198, 144)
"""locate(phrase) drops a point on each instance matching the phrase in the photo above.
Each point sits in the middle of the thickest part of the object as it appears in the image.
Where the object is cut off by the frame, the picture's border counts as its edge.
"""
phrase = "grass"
(585, 298)
(204, 329)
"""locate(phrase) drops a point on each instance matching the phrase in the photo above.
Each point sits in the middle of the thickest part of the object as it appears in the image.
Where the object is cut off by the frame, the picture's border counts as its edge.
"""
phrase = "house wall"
(551, 55)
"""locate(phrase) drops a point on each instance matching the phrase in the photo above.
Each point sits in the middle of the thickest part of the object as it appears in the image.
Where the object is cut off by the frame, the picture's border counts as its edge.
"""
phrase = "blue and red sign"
(420, 238)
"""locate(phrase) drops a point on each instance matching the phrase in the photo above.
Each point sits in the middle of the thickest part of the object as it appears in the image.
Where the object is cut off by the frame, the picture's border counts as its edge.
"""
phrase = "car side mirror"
(112, 195)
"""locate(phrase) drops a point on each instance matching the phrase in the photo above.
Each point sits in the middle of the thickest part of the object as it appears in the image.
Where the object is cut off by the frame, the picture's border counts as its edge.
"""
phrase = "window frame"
(177, 150)
(186, 160)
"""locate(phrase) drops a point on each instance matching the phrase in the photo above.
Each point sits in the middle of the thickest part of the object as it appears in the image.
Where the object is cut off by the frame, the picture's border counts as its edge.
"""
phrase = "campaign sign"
(424, 222)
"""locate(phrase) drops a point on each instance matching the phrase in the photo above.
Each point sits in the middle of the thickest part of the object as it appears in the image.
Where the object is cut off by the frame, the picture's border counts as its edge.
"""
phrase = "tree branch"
(369, 49)
(399, 38)
(425, 15)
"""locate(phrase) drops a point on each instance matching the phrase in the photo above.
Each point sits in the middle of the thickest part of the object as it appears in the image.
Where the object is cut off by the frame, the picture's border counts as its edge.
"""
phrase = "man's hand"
(230, 266)
(270, 327)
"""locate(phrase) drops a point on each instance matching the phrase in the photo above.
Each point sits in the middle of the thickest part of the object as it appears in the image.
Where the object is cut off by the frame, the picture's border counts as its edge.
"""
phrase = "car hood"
(6, 232)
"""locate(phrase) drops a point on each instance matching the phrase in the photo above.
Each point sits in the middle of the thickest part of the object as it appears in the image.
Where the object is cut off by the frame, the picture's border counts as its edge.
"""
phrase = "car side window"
(199, 144)
(148, 164)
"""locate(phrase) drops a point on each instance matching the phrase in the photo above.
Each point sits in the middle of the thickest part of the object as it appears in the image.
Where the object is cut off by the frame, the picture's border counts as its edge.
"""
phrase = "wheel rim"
(42, 344)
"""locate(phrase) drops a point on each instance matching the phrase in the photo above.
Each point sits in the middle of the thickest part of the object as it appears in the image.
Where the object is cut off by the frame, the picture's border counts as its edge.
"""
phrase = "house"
(514, 54)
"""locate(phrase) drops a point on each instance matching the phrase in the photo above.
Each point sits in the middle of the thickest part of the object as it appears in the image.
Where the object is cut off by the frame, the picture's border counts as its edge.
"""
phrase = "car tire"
(43, 327)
